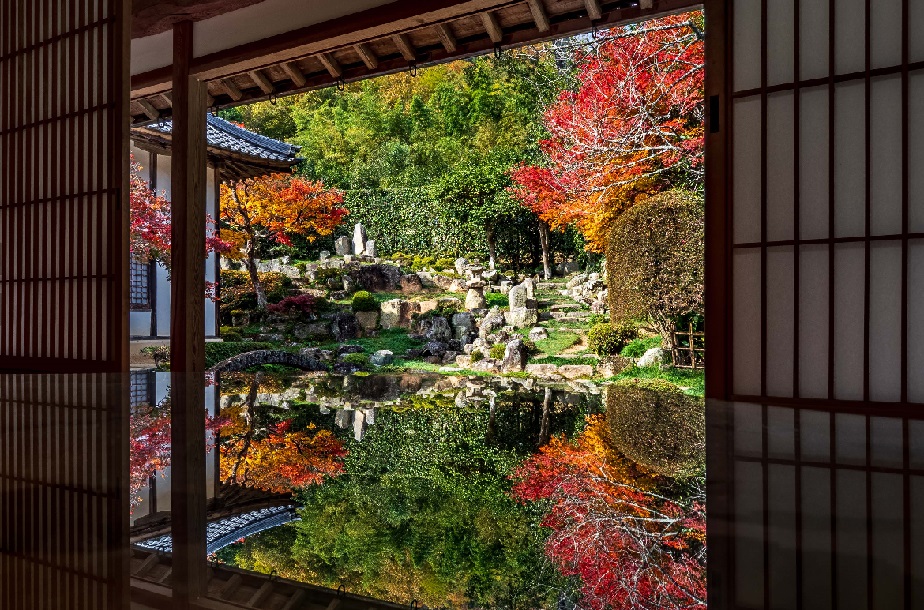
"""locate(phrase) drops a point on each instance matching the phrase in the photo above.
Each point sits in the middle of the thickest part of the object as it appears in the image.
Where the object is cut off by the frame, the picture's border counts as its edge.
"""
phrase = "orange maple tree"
(275, 207)
(633, 124)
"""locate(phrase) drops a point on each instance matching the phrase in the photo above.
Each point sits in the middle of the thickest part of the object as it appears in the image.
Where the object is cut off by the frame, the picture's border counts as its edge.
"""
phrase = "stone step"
(565, 306)
(570, 316)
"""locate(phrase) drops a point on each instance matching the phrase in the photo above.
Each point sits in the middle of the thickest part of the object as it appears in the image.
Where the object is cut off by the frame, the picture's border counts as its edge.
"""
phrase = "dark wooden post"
(187, 323)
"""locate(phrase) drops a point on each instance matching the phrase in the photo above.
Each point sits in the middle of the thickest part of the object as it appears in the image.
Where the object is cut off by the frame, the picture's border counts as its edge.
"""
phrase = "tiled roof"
(228, 136)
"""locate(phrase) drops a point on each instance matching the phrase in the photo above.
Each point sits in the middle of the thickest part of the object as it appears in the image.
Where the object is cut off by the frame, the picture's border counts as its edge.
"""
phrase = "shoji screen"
(63, 167)
(827, 199)
(63, 492)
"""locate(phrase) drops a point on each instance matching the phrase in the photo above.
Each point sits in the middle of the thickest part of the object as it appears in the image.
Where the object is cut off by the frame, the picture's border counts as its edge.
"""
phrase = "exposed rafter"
(295, 73)
(366, 54)
(149, 110)
(492, 27)
(404, 46)
(594, 11)
(265, 85)
(446, 37)
(168, 99)
(331, 63)
(233, 92)
(539, 15)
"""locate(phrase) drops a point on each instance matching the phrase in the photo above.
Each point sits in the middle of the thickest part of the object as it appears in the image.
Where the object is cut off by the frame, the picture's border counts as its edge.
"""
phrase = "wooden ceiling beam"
(232, 90)
(404, 46)
(492, 27)
(330, 62)
(594, 10)
(295, 73)
(265, 85)
(149, 110)
(646, 4)
(539, 15)
(447, 37)
(367, 55)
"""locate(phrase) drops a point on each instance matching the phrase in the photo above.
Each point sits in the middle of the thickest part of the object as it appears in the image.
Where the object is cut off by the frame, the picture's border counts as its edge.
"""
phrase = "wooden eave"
(430, 44)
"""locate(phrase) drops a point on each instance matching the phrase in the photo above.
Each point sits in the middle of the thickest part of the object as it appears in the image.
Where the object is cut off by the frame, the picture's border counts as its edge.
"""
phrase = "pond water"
(463, 492)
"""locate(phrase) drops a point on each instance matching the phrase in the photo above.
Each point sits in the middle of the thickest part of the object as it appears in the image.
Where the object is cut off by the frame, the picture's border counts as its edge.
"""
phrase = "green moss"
(497, 351)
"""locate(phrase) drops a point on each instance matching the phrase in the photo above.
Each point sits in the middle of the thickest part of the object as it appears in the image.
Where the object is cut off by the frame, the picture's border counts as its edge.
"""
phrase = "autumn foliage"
(630, 546)
(633, 125)
(275, 208)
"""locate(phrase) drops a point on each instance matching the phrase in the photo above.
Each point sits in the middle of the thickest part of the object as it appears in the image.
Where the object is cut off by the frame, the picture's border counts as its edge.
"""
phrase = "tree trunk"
(545, 424)
(492, 249)
(546, 254)
(254, 278)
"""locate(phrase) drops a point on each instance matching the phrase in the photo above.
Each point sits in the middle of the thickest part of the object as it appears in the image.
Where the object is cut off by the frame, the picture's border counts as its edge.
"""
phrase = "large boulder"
(521, 317)
(461, 264)
(359, 239)
(491, 322)
(343, 246)
(474, 299)
(383, 357)
(463, 325)
(411, 284)
(653, 357)
(377, 278)
(439, 330)
(397, 313)
(576, 371)
(538, 333)
(517, 297)
(344, 327)
(242, 362)
(368, 320)
(515, 356)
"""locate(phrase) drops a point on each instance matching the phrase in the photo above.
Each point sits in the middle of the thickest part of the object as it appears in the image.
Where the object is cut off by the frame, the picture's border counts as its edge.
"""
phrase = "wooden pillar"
(187, 323)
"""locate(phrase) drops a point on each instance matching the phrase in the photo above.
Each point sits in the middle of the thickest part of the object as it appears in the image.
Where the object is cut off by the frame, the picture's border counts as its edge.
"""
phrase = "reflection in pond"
(472, 492)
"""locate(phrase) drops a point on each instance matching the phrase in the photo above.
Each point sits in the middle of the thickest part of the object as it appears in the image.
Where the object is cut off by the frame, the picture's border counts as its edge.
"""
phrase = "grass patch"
(275, 369)
(638, 347)
(692, 382)
(559, 360)
(395, 340)
(497, 299)
(557, 342)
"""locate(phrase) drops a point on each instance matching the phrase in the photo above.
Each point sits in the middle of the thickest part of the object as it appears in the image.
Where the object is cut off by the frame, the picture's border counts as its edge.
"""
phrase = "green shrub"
(363, 301)
(607, 340)
(216, 351)
(302, 267)
(231, 335)
(497, 351)
(159, 353)
(445, 263)
(637, 347)
(360, 360)
(237, 293)
(656, 425)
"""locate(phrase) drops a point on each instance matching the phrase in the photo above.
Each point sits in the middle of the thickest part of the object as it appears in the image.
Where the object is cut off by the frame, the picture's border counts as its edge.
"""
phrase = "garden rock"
(411, 283)
(538, 333)
(383, 357)
(521, 317)
(359, 239)
(576, 371)
(614, 365)
(350, 349)
(368, 320)
(461, 264)
(435, 348)
(312, 330)
(515, 355)
(544, 371)
(568, 268)
(343, 246)
(463, 325)
(323, 255)
(244, 361)
(517, 297)
(654, 356)
(370, 248)
(377, 278)
(349, 284)
(439, 330)
(463, 361)
(491, 322)
(322, 355)
(397, 313)
(344, 327)
(530, 286)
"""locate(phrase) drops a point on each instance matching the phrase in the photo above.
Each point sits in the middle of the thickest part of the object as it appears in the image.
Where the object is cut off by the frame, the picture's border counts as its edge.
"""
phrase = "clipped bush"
(298, 305)
(656, 425)
(607, 339)
(363, 301)
(497, 351)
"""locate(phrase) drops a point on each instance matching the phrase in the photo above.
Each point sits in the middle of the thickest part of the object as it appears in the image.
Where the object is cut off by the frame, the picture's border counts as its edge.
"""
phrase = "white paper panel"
(746, 46)
(813, 39)
(886, 33)
(748, 429)
(749, 562)
(813, 322)
(815, 435)
(851, 540)
(813, 162)
(816, 537)
(849, 160)
(885, 441)
(915, 26)
(746, 187)
(850, 438)
(850, 32)
(886, 155)
(781, 502)
(746, 327)
(917, 550)
(849, 272)
(780, 321)
(888, 536)
(915, 321)
(780, 184)
(916, 149)
(780, 44)
(781, 433)
(885, 364)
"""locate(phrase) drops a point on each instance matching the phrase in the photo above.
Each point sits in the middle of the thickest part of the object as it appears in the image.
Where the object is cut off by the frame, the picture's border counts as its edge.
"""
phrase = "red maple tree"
(633, 124)
(630, 546)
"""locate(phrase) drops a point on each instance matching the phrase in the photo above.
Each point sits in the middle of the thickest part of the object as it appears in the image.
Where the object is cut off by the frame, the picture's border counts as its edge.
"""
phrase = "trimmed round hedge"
(657, 426)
